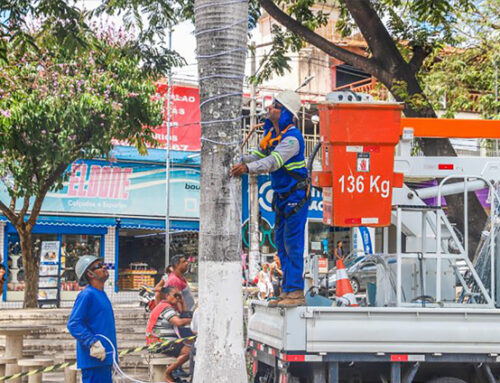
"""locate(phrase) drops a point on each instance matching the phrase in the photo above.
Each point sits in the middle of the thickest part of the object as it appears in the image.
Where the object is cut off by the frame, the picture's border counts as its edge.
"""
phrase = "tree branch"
(13, 201)
(8, 213)
(326, 46)
(58, 172)
(419, 55)
(41, 196)
(26, 205)
(486, 20)
(35, 169)
(375, 33)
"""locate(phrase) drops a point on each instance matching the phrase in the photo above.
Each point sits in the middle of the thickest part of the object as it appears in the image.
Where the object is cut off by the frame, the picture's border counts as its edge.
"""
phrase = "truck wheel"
(446, 379)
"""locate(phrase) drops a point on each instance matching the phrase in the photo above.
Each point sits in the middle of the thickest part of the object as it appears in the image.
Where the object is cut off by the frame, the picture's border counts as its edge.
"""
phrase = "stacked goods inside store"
(135, 276)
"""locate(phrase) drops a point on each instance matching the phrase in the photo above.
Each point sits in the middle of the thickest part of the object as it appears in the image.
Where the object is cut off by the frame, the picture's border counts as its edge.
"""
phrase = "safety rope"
(60, 366)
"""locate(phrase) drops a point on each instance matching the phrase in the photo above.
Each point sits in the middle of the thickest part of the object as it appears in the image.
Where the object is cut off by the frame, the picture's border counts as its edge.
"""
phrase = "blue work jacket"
(92, 314)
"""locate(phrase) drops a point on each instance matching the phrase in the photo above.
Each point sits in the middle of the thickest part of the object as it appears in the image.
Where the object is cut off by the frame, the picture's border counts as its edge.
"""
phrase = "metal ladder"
(483, 253)
(473, 283)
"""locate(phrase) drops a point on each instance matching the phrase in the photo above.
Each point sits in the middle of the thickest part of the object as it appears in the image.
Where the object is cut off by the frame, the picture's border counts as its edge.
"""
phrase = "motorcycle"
(147, 298)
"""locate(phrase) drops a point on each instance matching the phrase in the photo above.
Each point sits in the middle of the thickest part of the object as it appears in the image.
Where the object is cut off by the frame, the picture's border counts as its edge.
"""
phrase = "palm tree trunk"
(221, 33)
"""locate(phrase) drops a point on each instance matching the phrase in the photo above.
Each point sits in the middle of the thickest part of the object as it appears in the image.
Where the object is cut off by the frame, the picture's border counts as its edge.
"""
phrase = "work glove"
(98, 351)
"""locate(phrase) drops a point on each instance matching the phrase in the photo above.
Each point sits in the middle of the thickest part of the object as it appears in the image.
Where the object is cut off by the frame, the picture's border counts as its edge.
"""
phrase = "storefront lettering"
(316, 205)
(102, 182)
(316, 200)
(191, 187)
(183, 98)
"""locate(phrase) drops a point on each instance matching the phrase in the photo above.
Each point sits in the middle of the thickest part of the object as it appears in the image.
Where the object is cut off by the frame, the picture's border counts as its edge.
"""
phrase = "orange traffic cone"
(343, 292)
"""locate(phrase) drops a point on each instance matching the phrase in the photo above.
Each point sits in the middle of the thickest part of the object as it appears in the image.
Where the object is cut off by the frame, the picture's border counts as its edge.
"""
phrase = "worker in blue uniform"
(281, 153)
(92, 322)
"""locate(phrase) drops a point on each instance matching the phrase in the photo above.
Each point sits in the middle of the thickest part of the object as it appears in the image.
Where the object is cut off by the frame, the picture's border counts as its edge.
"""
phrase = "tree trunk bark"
(31, 266)
(221, 33)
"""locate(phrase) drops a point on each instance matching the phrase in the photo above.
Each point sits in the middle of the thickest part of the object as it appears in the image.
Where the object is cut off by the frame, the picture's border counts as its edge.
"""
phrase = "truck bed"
(376, 329)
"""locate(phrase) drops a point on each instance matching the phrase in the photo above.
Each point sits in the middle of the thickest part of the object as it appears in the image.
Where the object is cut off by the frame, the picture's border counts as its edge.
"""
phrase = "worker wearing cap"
(92, 322)
(281, 153)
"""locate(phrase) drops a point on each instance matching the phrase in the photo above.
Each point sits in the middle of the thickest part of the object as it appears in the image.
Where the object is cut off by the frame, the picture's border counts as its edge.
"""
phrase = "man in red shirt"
(176, 279)
(162, 324)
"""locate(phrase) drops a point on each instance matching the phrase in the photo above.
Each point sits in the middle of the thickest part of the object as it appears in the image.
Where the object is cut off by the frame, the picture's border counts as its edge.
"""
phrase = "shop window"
(15, 274)
(142, 256)
(72, 248)
(323, 238)
(187, 243)
(319, 235)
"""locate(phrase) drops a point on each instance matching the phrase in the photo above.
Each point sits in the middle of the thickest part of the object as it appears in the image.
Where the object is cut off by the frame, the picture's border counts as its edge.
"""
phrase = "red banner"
(185, 128)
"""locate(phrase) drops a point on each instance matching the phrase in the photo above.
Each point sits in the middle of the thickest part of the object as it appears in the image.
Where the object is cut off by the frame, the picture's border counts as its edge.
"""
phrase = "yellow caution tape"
(60, 366)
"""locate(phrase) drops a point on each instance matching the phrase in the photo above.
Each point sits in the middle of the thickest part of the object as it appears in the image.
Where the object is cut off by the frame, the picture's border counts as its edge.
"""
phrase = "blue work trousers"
(97, 375)
(290, 242)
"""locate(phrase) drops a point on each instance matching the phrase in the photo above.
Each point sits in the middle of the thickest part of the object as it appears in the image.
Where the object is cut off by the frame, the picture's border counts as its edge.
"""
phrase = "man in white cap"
(92, 322)
(281, 153)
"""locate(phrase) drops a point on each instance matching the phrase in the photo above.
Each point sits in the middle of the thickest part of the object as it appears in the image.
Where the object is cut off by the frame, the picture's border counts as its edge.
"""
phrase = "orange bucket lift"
(357, 177)
(360, 170)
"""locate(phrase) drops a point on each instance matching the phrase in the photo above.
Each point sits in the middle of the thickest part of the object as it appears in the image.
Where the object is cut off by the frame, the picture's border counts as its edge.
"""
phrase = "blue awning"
(99, 225)
(50, 224)
(50, 220)
(158, 224)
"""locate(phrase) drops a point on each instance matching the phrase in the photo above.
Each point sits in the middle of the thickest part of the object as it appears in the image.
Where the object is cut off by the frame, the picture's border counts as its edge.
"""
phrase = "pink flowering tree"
(58, 105)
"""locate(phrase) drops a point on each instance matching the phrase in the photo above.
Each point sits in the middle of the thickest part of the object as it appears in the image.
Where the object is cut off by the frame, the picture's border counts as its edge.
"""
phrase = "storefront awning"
(49, 224)
(100, 222)
(156, 224)
(99, 225)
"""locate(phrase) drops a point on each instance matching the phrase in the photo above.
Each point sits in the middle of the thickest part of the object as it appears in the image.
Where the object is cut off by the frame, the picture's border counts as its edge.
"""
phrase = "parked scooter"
(147, 298)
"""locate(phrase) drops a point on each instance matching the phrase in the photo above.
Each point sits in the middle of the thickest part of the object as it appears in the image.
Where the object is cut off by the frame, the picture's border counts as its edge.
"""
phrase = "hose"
(310, 161)
(116, 367)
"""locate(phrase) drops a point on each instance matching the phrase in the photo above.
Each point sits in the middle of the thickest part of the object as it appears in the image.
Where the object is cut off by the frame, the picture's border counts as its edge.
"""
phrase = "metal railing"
(368, 85)
(376, 89)
(476, 292)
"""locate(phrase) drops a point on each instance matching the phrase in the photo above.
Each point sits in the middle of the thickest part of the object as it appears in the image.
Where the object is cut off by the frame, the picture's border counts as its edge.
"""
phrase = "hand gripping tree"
(58, 105)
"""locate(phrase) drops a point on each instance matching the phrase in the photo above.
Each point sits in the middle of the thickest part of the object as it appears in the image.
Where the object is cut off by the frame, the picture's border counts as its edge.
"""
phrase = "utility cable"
(219, 4)
(219, 29)
(116, 366)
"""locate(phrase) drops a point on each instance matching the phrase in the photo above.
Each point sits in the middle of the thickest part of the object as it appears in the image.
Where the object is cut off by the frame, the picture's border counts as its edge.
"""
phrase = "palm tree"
(221, 34)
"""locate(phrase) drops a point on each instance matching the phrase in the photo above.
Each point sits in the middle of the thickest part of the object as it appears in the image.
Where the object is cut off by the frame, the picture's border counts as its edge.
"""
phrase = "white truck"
(435, 317)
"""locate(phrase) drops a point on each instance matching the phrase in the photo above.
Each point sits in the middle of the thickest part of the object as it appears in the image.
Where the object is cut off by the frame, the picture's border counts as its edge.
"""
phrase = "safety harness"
(303, 183)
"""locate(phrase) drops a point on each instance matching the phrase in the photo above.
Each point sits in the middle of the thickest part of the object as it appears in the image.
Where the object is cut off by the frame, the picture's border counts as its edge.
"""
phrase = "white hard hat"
(82, 265)
(289, 100)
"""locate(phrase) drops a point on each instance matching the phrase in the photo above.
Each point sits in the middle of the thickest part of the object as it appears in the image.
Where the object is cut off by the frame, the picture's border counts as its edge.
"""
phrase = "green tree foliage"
(64, 20)
(400, 34)
(69, 27)
(465, 78)
(58, 105)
